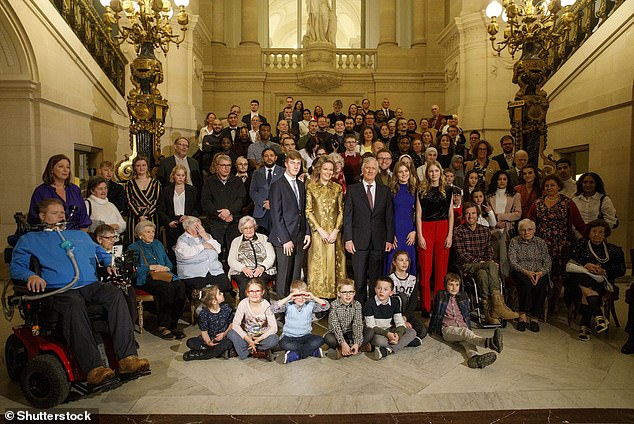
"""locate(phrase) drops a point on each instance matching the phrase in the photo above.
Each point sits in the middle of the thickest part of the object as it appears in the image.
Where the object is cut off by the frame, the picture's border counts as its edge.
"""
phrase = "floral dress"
(554, 225)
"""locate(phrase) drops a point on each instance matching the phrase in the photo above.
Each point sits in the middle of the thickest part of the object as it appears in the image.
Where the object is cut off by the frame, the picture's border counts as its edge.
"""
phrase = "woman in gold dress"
(324, 210)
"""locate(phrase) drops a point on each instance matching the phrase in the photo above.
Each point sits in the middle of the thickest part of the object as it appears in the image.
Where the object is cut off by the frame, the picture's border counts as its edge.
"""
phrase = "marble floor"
(545, 370)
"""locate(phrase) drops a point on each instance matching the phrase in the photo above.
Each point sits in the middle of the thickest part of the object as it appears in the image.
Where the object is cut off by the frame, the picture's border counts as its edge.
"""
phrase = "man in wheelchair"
(474, 255)
(57, 270)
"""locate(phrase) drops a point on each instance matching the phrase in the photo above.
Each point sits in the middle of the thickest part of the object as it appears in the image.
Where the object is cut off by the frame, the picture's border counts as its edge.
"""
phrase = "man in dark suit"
(261, 182)
(385, 107)
(116, 192)
(437, 120)
(296, 115)
(290, 234)
(255, 107)
(506, 159)
(368, 227)
(181, 146)
(231, 131)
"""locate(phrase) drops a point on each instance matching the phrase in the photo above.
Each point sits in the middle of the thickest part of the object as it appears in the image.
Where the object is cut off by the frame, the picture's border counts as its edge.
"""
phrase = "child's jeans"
(197, 343)
(303, 345)
(467, 338)
(404, 340)
(242, 348)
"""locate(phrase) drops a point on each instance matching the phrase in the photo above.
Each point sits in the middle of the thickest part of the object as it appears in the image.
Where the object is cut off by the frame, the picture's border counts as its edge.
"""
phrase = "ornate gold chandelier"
(146, 21)
(530, 24)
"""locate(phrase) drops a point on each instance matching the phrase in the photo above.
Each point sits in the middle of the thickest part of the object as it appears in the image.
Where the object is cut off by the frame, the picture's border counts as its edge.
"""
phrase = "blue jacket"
(57, 268)
(154, 254)
(440, 307)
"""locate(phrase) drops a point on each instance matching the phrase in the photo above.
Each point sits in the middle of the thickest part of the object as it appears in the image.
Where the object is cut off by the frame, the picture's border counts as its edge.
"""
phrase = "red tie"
(370, 197)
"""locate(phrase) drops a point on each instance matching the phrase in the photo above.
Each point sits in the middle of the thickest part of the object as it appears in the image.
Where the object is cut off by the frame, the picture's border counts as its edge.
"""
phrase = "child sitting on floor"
(345, 322)
(450, 319)
(254, 329)
(214, 323)
(297, 338)
(406, 287)
(383, 316)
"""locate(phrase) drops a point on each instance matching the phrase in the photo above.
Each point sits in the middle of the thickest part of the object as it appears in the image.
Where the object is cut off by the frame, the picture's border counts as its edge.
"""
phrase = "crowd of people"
(410, 207)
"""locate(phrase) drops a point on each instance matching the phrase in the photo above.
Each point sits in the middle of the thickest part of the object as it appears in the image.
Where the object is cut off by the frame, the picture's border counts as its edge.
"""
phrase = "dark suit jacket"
(116, 196)
(165, 206)
(288, 220)
(501, 161)
(438, 124)
(259, 189)
(364, 226)
(389, 115)
(334, 118)
(226, 132)
(167, 164)
(297, 116)
(247, 119)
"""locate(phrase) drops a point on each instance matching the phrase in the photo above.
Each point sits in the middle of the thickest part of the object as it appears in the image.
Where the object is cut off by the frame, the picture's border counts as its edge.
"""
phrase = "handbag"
(157, 275)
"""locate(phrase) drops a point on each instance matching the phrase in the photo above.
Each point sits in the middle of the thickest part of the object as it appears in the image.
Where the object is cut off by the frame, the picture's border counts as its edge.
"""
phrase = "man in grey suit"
(261, 182)
(181, 146)
(290, 234)
(368, 227)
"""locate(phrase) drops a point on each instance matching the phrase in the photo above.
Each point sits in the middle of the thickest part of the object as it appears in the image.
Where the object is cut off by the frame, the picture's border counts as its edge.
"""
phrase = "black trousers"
(366, 266)
(332, 342)
(530, 297)
(170, 300)
(629, 298)
(197, 343)
(77, 328)
(224, 233)
(197, 283)
(289, 268)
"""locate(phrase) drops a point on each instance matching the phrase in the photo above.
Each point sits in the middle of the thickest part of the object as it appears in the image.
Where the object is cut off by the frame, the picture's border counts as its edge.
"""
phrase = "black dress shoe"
(534, 326)
(628, 347)
(521, 326)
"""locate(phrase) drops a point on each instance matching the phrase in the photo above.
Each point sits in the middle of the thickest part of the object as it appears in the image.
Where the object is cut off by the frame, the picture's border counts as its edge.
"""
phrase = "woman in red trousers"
(434, 224)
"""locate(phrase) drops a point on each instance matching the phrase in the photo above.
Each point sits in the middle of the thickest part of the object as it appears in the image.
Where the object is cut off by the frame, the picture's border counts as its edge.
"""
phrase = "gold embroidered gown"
(326, 262)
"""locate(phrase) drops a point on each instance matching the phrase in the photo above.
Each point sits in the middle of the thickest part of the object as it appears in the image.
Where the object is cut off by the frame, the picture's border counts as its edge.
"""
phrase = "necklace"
(605, 252)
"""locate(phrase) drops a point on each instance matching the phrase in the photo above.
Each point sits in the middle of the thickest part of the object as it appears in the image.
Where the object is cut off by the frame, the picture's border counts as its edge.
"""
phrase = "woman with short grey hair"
(530, 265)
(250, 255)
(197, 258)
(154, 275)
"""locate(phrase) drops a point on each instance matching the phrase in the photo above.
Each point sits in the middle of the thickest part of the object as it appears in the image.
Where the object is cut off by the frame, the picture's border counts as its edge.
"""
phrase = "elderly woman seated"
(593, 267)
(154, 275)
(530, 265)
(197, 258)
(250, 256)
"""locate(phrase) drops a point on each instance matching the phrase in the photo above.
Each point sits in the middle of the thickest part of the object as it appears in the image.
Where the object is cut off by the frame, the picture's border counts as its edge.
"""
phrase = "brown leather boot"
(131, 364)
(99, 375)
(486, 308)
(499, 309)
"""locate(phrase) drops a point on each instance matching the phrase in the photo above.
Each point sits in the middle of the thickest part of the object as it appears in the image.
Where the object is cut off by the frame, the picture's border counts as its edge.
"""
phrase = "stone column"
(218, 22)
(249, 23)
(388, 23)
(419, 31)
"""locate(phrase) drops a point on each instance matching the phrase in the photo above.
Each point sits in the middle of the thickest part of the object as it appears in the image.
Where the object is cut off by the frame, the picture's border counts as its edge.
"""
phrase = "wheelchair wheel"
(16, 357)
(44, 382)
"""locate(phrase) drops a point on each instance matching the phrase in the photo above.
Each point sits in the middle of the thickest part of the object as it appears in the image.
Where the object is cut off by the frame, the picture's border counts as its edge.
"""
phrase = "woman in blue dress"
(403, 188)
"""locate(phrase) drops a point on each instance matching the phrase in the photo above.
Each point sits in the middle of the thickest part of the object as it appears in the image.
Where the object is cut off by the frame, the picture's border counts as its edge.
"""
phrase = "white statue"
(322, 22)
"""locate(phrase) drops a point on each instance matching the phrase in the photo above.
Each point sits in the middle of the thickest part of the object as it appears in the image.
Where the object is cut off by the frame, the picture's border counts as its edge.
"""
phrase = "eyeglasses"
(114, 237)
(224, 165)
(347, 293)
(254, 291)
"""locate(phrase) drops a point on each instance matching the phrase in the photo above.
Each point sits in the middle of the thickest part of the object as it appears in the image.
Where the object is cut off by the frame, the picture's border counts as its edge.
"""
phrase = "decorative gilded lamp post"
(533, 27)
(146, 25)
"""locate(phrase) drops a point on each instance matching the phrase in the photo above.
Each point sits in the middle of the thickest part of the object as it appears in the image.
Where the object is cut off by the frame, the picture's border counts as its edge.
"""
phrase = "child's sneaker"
(290, 356)
(584, 334)
(317, 353)
(193, 355)
(381, 352)
(481, 361)
(416, 342)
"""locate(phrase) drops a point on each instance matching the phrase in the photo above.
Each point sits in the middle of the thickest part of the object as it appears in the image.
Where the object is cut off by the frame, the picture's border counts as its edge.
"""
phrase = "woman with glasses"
(100, 210)
(482, 164)
(250, 256)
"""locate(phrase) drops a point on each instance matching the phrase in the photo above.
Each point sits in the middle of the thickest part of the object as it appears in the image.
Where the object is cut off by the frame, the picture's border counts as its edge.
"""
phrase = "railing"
(592, 14)
(87, 25)
(293, 59)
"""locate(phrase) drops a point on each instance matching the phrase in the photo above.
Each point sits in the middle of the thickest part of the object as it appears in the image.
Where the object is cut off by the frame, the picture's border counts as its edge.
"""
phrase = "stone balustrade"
(293, 59)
